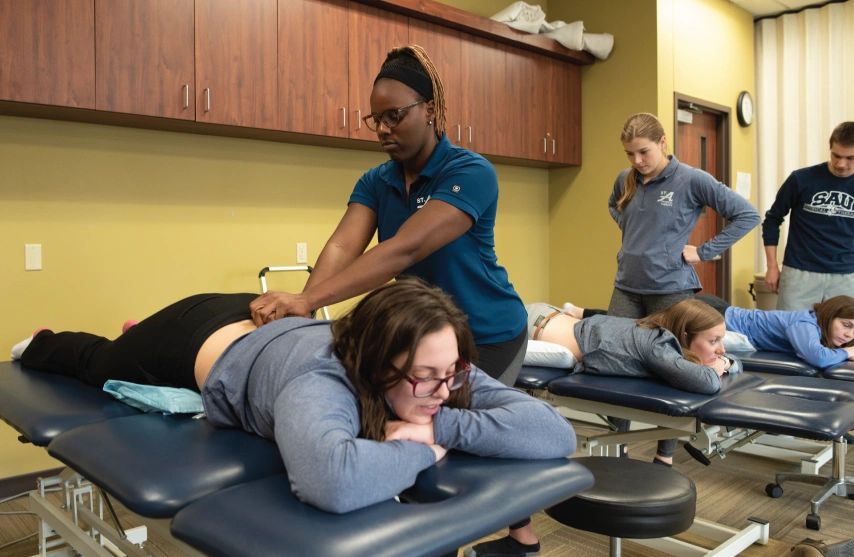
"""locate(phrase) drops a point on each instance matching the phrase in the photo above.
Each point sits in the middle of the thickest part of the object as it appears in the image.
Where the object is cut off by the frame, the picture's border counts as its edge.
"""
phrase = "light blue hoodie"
(785, 331)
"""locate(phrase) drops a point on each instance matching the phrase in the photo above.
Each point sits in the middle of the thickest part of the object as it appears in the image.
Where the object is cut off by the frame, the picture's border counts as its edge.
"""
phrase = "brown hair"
(843, 135)
(387, 322)
(644, 125)
(685, 320)
(838, 307)
(415, 57)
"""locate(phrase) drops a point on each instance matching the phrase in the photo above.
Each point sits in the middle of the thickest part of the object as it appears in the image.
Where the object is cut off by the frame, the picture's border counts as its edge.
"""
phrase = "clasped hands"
(397, 430)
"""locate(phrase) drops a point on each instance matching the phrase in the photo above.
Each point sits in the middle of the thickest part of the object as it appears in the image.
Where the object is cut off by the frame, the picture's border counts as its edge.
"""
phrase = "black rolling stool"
(630, 499)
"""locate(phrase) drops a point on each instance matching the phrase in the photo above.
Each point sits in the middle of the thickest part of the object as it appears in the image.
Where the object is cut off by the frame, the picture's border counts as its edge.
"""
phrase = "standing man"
(819, 261)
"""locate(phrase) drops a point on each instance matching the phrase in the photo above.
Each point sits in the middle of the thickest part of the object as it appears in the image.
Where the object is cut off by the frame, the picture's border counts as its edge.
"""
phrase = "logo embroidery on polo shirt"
(421, 201)
(456, 189)
(832, 204)
(666, 199)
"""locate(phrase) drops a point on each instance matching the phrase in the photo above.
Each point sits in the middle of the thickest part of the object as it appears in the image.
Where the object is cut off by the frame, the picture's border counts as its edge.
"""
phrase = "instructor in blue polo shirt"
(433, 205)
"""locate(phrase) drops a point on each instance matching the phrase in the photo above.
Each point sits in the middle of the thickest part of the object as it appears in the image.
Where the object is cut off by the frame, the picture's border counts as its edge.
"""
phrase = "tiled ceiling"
(761, 8)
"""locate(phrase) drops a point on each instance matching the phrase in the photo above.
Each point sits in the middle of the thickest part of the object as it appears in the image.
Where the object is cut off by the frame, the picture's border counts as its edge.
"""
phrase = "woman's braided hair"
(415, 57)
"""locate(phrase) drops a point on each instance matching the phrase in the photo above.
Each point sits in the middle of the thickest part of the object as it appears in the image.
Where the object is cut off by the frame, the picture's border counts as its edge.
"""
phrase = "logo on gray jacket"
(832, 204)
(666, 199)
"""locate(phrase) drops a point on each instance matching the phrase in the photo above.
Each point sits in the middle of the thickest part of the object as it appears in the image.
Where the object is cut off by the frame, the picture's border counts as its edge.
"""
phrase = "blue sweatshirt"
(283, 382)
(822, 225)
(657, 221)
(784, 331)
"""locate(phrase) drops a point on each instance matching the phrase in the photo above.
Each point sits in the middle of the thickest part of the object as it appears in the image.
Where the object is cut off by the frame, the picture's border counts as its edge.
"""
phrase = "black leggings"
(160, 350)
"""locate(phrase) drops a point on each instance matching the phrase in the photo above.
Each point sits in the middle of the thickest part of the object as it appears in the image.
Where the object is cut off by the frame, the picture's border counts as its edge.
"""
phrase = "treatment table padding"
(155, 465)
(41, 405)
(842, 372)
(810, 407)
(650, 395)
(777, 363)
(475, 497)
(536, 377)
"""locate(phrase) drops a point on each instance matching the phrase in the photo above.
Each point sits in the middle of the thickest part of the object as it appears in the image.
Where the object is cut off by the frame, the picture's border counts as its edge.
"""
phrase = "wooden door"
(313, 60)
(144, 57)
(373, 33)
(483, 71)
(236, 68)
(47, 52)
(443, 47)
(564, 120)
(527, 110)
(697, 147)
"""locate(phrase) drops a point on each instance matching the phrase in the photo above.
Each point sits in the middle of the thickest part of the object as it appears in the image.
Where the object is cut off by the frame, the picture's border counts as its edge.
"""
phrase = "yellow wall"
(130, 220)
(584, 240)
(714, 61)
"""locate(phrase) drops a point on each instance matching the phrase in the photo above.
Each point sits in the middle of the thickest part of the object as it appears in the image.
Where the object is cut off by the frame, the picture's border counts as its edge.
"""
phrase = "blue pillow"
(148, 398)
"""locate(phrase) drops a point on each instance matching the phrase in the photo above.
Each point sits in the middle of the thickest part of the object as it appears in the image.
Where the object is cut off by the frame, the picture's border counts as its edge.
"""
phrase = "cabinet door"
(565, 113)
(443, 47)
(483, 74)
(144, 57)
(313, 43)
(236, 65)
(528, 105)
(373, 33)
(47, 52)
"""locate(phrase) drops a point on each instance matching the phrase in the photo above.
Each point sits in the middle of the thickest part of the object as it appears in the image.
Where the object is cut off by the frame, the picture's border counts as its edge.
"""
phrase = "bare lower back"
(561, 330)
(216, 344)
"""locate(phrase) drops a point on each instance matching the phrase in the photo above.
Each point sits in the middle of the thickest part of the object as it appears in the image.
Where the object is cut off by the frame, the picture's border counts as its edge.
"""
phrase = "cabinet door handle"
(469, 129)
(343, 117)
(208, 99)
(186, 96)
(553, 147)
(459, 133)
(544, 146)
(359, 119)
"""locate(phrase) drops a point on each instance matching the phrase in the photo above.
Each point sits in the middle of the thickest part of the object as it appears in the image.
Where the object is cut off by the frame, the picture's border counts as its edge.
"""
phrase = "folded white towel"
(522, 16)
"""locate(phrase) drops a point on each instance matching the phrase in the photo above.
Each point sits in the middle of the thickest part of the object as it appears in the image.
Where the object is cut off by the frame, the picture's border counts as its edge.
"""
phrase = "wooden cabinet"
(144, 57)
(47, 52)
(443, 47)
(304, 66)
(373, 33)
(565, 113)
(236, 62)
(483, 83)
(313, 66)
(544, 107)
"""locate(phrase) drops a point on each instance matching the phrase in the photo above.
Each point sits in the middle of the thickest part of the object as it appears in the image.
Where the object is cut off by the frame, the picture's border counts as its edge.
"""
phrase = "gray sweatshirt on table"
(283, 382)
(618, 346)
(657, 221)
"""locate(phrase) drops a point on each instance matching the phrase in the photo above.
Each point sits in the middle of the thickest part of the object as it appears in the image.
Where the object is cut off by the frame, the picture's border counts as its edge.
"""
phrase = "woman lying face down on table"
(822, 336)
(683, 345)
(357, 406)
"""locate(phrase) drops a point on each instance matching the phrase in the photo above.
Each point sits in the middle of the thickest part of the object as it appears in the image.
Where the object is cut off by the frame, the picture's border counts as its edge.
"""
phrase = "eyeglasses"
(422, 388)
(389, 118)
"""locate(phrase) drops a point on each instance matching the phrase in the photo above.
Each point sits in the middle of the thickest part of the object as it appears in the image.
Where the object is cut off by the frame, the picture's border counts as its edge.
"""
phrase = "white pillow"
(548, 354)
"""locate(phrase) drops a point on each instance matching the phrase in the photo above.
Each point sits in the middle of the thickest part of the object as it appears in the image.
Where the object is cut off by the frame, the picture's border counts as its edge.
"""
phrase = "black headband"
(416, 80)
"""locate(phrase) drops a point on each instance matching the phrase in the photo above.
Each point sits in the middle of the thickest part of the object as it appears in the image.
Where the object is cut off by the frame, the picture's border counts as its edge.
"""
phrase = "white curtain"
(804, 88)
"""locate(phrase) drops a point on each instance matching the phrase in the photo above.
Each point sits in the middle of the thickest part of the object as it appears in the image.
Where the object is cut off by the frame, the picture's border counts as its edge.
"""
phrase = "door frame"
(723, 115)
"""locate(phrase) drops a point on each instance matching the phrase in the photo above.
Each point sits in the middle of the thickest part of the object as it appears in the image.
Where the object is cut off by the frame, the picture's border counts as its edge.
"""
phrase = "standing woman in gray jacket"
(656, 204)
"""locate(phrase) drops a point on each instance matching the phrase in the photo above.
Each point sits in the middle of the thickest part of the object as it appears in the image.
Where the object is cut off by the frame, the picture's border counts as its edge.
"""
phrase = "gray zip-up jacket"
(657, 221)
(617, 346)
(283, 382)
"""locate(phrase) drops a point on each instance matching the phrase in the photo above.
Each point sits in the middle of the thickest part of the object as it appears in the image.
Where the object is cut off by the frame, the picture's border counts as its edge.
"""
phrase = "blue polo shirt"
(467, 268)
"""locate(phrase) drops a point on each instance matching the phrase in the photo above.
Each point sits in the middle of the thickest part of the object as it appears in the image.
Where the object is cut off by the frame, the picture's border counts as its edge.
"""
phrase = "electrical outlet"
(302, 253)
(33, 257)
